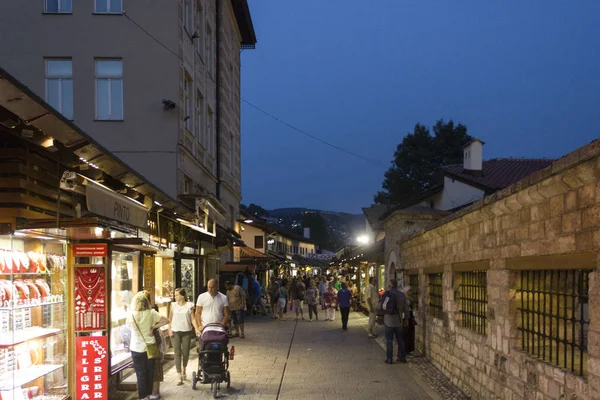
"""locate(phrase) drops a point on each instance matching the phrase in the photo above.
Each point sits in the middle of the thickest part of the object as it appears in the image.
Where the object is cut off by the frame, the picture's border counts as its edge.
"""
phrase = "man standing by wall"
(394, 319)
(372, 297)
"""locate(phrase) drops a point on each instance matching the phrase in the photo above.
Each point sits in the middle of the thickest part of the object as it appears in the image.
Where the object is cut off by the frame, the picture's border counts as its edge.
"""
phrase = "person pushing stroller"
(212, 307)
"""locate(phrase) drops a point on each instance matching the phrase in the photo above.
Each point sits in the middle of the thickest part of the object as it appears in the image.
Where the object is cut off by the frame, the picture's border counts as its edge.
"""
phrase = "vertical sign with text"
(92, 367)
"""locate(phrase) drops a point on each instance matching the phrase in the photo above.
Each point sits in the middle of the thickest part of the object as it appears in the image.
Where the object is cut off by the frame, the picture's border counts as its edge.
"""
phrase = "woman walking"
(182, 326)
(330, 302)
(282, 300)
(142, 321)
(312, 295)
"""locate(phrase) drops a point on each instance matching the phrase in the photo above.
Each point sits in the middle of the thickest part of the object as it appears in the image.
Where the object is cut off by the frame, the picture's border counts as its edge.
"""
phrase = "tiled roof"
(373, 214)
(498, 173)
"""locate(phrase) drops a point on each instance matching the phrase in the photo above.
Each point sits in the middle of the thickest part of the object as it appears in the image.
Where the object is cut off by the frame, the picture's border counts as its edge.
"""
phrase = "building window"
(231, 84)
(109, 7)
(413, 282)
(58, 6)
(187, 184)
(198, 122)
(187, 16)
(473, 300)
(209, 48)
(259, 242)
(199, 28)
(109, 89)
(435, 302)
(187, 102)
(59, 86)
(231, 154)
(210, 131)
(553, 316)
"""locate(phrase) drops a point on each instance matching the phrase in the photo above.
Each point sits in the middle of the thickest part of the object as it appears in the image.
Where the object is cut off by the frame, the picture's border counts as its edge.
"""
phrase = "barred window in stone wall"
(473, 301)
(553, 318)
(435, 301)
(413, 282)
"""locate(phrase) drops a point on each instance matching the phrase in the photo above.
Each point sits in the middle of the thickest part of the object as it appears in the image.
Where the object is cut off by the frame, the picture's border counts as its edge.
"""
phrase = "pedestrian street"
(305, 360)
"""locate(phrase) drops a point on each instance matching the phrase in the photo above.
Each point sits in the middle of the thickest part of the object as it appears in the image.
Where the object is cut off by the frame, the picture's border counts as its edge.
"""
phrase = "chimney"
(307, 233)
(473, 157)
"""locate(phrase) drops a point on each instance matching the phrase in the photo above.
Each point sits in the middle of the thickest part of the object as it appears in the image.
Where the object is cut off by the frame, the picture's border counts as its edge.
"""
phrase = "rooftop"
(497, 173)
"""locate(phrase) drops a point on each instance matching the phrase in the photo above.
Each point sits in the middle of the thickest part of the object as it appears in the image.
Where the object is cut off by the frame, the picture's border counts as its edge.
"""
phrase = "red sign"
(90, 298)
(90, 250)
(92, 367)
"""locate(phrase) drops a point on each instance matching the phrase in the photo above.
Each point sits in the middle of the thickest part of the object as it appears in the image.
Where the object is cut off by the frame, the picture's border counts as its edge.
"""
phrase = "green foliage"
(417, 160)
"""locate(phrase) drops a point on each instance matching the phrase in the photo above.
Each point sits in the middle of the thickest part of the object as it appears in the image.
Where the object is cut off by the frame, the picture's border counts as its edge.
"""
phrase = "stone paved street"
(307, 360)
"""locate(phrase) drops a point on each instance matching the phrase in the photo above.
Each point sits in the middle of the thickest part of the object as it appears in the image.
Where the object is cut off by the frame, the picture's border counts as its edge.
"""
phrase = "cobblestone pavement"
(305, 360)
(429, 373)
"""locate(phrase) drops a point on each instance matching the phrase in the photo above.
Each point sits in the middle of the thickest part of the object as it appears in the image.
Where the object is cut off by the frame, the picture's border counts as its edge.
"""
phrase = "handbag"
(152, 350)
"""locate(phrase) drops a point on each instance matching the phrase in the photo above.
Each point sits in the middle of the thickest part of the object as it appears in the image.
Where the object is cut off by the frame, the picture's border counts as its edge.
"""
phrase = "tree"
(256, 210)
(417, 160)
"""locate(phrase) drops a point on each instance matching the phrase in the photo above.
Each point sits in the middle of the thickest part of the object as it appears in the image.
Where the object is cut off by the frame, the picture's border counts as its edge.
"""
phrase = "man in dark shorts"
(237, 300)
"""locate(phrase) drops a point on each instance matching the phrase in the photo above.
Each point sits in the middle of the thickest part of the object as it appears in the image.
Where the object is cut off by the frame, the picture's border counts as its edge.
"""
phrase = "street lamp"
(363, 239)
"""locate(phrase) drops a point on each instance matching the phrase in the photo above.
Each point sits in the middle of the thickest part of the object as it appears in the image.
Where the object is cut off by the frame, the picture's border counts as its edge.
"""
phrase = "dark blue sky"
(524, 76)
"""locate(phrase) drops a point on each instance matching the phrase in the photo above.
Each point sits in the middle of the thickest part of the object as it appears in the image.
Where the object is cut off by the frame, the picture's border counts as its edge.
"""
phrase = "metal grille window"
(473, 300)
(554, 316)
(435, 301)
(413, 282)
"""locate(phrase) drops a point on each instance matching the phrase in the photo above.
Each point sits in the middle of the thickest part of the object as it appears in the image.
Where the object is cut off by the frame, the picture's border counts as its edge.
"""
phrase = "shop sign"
(91, 368)
(104, 202)
(320, 256)
(90, 250)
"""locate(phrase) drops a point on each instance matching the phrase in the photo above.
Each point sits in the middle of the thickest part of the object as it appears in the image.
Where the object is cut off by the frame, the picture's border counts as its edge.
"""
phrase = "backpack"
(387, 303)
(300, 291)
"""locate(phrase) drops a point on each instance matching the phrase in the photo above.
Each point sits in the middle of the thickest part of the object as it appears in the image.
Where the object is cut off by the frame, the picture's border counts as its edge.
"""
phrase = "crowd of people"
(391, 308)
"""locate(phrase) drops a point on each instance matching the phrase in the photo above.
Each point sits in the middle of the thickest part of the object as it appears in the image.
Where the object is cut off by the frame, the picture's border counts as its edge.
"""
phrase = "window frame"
(257, 241)
(58, 4)
(109, 78)
(109, 12)
(472, 299)
(188, 17)
(60, 79)
(435, 301)
(188, 85)
(200, 29)
(199, 117)
(231, 153)
(209, 48)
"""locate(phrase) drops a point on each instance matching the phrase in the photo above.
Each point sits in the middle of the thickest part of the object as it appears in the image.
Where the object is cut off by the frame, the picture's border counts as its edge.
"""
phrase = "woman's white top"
(144, 319)
(182, 317)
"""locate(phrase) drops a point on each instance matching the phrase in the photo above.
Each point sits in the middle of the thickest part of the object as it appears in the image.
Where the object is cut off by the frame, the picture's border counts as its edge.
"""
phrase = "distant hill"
(335, 229)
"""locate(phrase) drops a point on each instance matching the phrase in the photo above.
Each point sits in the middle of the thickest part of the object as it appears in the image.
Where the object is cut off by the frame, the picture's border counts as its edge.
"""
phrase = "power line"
(256, 107)
(313, 136)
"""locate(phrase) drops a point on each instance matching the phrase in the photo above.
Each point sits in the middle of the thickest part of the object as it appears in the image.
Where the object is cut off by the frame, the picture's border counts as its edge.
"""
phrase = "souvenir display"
(90, 298)
(33, 322)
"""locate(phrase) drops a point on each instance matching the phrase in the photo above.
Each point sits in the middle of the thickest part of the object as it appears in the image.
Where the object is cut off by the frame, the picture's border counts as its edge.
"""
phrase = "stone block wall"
(549, 220)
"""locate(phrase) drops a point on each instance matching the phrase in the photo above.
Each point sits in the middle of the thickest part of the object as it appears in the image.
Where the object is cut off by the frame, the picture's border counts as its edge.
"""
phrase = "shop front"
(34, 339)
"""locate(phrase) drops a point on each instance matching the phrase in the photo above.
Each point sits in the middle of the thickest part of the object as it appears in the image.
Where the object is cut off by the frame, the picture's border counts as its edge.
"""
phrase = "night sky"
(524, 76)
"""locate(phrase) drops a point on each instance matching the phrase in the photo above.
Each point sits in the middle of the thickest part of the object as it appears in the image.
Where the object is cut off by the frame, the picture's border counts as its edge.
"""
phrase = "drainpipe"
(218, 96)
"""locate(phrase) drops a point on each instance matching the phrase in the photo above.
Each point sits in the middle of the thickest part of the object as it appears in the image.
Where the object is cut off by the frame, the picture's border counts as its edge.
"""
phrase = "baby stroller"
(213, 358)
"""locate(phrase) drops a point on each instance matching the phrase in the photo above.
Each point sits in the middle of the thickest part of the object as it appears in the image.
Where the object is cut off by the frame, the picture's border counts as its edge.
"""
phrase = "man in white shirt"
(212, 307)
(372, 299)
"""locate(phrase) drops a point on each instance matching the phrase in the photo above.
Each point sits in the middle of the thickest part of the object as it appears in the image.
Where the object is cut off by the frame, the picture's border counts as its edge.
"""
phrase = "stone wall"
(549, 220)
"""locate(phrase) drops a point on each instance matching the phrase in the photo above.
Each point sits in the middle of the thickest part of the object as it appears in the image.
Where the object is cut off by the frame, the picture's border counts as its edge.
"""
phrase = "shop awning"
(248, 252)
(237, 267)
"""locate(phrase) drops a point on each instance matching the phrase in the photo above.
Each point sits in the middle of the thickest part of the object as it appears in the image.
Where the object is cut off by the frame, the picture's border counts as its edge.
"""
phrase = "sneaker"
(154, 397)
(310, 320)
(389, 362)
(372, 335)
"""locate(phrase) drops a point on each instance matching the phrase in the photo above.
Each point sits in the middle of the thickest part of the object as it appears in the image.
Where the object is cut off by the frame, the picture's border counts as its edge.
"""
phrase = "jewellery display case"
(125, 278)
(164, 284)
(33, 318)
